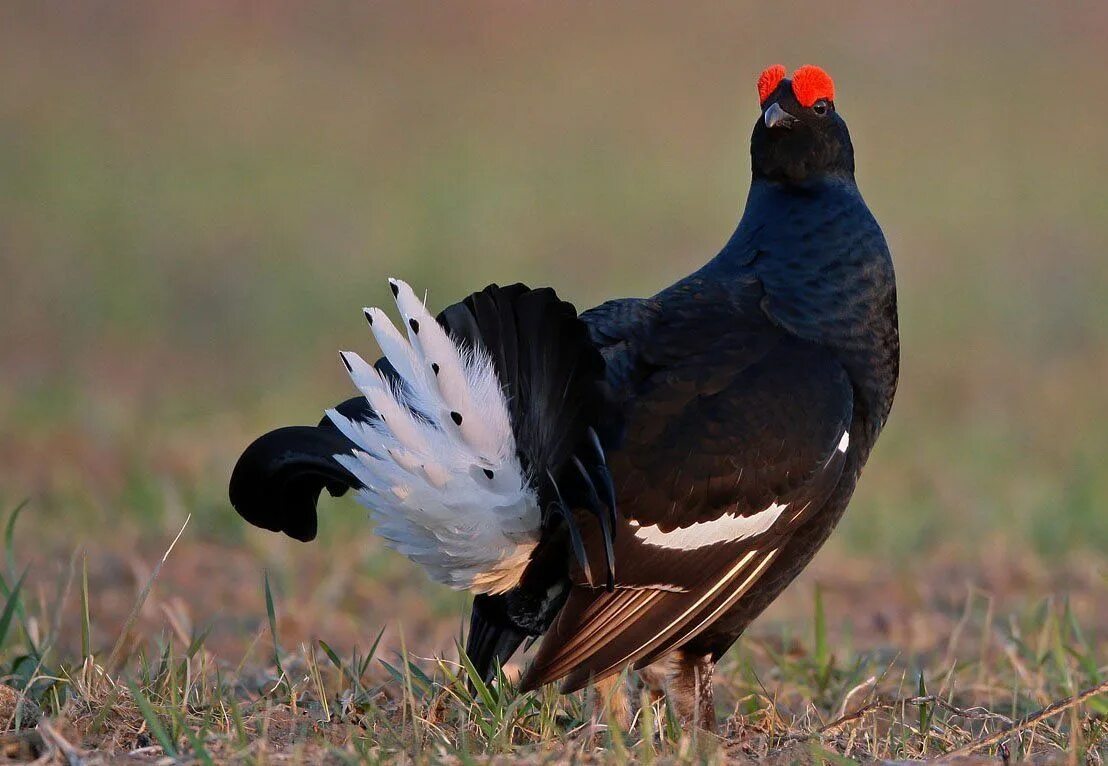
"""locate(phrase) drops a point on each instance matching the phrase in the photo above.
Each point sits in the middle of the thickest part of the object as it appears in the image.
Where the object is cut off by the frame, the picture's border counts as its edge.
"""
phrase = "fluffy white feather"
(440, 471)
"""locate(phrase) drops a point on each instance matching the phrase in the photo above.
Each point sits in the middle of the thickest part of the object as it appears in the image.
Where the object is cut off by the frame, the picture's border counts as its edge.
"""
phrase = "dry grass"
(921, 668)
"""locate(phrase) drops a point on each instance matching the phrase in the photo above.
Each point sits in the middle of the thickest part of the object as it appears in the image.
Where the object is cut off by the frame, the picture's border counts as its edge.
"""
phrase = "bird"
(635, 483)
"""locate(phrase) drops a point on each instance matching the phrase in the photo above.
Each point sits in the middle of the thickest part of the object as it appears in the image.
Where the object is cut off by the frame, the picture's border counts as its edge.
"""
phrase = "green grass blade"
(396, 673)
(10, 607)
(372, 651)
(9, 556)
(479, 684)
(423, 680)
(153, 721)
(924, 713)
(271, 612)
(197, 642)
(334, 658)
(164, 665)
(9, 538)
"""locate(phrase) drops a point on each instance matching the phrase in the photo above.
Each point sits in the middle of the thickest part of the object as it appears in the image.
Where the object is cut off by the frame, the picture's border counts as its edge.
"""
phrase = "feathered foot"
(611, 701)
(686, 681)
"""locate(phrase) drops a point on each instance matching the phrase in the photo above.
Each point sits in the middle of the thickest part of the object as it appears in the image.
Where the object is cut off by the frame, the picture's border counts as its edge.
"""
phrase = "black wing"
(720, 464)
(621, 329)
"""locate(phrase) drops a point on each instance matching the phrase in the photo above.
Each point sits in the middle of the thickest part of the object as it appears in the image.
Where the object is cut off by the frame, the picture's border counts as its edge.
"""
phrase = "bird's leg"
(611, 701)
(655, 677)
(690, 689)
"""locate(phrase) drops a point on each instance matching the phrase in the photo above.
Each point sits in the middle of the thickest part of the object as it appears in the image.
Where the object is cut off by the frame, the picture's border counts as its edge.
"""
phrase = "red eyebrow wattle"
(768, 81)
(811, 84)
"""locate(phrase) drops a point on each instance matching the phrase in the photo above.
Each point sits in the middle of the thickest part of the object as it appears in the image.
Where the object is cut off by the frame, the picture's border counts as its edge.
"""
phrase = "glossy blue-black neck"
(814, 260)
(790, 215)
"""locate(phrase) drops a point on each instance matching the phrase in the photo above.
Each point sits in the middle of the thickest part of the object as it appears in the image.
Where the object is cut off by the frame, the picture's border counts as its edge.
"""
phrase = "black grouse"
(637, 483)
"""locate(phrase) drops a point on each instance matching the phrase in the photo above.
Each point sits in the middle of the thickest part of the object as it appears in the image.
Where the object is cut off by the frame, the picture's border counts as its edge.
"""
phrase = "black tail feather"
(605, 514)
(559, 508)
(600, 471)
(550, 370)
(552, 375)
(277, 480)
(492, 638)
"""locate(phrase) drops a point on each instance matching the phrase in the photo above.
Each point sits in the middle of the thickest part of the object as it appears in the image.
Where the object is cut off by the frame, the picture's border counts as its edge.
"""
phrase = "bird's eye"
(820, 107)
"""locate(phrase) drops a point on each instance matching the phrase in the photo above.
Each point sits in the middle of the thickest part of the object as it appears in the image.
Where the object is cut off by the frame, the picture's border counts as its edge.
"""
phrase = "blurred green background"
(197, 199)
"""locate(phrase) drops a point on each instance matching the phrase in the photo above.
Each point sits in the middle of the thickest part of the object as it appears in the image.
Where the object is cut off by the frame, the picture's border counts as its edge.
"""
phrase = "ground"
(197, 200)
(338, 660)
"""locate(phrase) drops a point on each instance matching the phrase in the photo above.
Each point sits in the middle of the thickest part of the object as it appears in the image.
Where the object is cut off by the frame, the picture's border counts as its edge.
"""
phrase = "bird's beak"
(776, 117)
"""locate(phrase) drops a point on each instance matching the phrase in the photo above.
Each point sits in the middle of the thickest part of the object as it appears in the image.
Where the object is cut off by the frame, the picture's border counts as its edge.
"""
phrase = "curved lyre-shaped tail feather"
(463, 432)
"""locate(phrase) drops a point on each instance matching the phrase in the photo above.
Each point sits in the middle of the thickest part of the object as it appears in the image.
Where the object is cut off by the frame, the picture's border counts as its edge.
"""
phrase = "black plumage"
(278, 478)
(733, 390)
(727, 418)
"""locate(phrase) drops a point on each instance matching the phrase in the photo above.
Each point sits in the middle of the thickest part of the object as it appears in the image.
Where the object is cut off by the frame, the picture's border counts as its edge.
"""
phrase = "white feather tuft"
(450, 495)
(462, 379)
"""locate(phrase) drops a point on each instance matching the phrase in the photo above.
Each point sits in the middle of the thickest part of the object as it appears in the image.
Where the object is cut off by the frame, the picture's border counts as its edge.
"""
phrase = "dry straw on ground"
(991, 688)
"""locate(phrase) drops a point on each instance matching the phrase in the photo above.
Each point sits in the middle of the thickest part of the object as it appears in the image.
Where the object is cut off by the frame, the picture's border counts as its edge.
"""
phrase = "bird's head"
(799, 136)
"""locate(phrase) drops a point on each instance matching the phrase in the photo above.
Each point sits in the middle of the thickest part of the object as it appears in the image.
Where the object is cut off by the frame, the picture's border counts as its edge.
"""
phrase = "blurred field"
(195, 203)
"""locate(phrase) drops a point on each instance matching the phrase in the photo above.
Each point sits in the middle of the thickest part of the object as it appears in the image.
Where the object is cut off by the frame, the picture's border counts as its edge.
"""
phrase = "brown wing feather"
(706, 616)
(610, 615)
(599, 633)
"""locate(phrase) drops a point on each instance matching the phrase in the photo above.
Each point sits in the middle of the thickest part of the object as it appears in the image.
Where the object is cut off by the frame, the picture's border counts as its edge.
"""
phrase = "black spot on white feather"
(368, 316)
(488, 473)
(342, 356)
(414, 325)
(456, 417)
(435, 367)
(395, 288)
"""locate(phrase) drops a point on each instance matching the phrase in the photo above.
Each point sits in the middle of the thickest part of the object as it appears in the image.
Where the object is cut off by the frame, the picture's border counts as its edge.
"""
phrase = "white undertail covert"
(439, 468)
